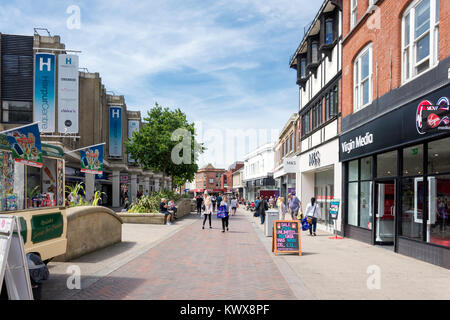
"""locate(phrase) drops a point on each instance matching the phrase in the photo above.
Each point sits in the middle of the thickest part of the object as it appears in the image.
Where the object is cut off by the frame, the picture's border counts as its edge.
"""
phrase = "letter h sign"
(42, 64)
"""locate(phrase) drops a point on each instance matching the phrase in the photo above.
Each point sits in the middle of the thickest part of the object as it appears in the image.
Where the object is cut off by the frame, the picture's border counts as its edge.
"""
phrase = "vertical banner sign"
(334, 209)
(44, 91)
(115, 131)
(92, 160)
(25, 144)
(133, 125)
(67, 93)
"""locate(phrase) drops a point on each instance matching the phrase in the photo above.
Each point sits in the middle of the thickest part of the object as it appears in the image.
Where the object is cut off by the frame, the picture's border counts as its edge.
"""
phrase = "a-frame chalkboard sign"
(13, 262)
(286, 237)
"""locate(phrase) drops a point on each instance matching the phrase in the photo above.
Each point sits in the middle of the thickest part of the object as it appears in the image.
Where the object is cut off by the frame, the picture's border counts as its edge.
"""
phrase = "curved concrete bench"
(184, 208)
(89, 229)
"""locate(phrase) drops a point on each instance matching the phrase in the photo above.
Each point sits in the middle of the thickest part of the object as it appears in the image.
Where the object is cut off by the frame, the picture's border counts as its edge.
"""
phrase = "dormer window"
(303, 68)
(329, 31)
(315, 52)
(302, 73)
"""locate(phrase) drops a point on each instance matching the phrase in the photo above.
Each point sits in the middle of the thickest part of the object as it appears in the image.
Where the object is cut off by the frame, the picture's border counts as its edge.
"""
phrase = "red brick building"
(395, 138)
(226, 179)
(208, 178)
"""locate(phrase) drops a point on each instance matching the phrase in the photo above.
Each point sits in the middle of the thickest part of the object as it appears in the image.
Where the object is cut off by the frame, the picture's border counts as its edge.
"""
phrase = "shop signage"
(133, 126)
(46, 227)
(25, 144)
(314, 159)
(411, 123)
(334, 209)
(123, 179)
(92, 159)
(286, 237)
(44, 91)
(290, 165)
(67, 93)
(115, 131)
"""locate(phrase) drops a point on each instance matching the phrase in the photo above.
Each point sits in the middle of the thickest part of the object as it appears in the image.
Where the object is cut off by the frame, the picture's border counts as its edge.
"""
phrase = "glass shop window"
(42, 185)
(12, 188)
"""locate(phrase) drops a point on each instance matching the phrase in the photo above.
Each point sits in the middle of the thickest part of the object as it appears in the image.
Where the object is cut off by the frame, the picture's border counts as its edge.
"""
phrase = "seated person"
(126, 205)
(173, 207)
(163, 208)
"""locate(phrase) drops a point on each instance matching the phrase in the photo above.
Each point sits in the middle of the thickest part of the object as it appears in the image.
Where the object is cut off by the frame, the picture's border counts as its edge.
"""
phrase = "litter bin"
(271, 216)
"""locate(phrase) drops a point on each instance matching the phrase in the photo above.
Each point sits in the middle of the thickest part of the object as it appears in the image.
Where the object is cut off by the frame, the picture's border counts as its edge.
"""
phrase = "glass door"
(385, 213)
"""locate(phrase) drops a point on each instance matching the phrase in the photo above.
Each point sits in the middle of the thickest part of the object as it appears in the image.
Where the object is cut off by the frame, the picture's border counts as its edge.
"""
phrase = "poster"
(334, 209)
(92, 160)
(25, 144)
(133, 126)
(115, 131)
(67, 93)
(44, 91)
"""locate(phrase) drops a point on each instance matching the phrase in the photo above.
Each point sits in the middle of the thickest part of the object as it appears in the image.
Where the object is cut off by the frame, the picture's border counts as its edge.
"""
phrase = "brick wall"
(382, 28)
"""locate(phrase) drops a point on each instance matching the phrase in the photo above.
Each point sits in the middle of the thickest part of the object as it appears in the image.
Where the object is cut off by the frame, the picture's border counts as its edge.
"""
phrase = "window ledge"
(419, 75)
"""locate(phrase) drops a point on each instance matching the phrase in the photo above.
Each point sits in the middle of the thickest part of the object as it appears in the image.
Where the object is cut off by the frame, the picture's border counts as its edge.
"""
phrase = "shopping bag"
(222, 212)
(305, 225)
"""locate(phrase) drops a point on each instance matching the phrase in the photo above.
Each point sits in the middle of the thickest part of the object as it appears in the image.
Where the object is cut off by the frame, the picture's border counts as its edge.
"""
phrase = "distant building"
(208, 178)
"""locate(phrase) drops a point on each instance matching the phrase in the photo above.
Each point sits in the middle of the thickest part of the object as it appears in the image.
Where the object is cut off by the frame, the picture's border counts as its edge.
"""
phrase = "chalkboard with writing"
(286, 237)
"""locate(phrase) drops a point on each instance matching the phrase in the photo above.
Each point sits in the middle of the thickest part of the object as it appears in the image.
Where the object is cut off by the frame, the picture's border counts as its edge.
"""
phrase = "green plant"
(33, 192)
(75, 193)
(147, 204)
(97, 198)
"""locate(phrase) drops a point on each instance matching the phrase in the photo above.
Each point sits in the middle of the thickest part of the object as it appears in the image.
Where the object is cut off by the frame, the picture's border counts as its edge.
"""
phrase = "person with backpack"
(312, 214)
(261, 209)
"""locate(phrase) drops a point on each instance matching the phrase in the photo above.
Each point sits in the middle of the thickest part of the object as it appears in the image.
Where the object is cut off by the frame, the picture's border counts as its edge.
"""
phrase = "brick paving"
(196, 264)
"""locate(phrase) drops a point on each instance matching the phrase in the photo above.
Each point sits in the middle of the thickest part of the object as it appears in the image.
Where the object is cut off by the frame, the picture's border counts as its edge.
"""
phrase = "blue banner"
(44, 91)
(25, 144)
(115, 131)
(92, 159)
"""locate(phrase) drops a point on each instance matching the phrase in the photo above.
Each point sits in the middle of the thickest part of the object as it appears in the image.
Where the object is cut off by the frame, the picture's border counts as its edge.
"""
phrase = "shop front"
(263, 187)
(320, 177)
(286, 176)
(397, 179)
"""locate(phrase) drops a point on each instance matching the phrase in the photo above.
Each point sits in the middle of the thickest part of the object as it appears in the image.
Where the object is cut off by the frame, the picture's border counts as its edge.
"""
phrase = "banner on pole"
(25, 144)
(115, 131)
(92, 159)
(334, 209)
(67, 93)
(133, 126)
(44, 91)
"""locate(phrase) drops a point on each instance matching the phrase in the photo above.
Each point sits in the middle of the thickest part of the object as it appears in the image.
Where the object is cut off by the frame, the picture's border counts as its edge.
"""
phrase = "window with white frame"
(362, 79)
(420, 38)
(353, 13)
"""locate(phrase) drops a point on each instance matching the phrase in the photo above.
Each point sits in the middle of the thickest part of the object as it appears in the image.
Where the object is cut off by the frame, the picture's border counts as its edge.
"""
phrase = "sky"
(225, 63)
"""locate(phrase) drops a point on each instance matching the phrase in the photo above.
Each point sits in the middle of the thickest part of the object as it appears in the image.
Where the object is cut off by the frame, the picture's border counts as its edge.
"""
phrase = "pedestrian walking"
(294, 205)
(223, 211)
(281, 209)
(208, 210)
(219, 200)
(199, 204)
(234, 206)
(312, 214)
(261, 208)
(271, 202)
(214, 203)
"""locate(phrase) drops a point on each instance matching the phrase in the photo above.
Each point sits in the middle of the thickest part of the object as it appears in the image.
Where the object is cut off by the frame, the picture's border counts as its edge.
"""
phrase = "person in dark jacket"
(261, 209)
(199, 204)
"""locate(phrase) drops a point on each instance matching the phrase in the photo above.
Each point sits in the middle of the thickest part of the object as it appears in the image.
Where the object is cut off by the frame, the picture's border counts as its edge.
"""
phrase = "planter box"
(142, 218)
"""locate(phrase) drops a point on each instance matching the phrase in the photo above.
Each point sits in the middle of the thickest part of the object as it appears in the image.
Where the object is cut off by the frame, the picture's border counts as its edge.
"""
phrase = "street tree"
(166, 143)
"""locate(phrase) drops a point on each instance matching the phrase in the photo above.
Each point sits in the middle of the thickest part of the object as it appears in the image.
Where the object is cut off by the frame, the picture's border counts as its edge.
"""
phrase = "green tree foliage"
(152, 145)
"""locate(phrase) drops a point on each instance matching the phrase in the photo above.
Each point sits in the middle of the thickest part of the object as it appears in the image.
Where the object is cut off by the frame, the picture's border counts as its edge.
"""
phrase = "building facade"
(208, 179)
(238, 182)
(92, 119)
(258, 172)
(318, 62)
(226, 179)
(395, 141)
(285, 169)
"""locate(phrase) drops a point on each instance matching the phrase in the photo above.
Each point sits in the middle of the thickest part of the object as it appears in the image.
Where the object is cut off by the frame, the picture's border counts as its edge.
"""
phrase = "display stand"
(13, 262)
(334, 211)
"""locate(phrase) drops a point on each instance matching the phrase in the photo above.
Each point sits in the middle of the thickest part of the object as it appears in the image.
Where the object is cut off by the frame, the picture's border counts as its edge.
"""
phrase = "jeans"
(313, 226)
(204, 220)
(263, 217)
(225, 223)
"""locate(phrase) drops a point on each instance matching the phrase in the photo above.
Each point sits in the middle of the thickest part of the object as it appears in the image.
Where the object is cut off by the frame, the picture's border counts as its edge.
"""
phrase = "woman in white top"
(208, 210)
(281, 208)
(313, 211)
(234, 205)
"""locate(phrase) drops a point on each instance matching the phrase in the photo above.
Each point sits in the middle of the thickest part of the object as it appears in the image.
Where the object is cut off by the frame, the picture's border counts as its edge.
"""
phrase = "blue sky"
(225, 63)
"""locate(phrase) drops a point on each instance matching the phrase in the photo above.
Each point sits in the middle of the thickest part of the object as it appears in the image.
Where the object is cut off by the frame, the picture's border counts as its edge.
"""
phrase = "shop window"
(317, 115)
(438, 156)
(438, 226)
(353, 170)
(12, 188)
(366, 168)
(420, 37)
(352, 214)
(413, 161)
(363, 79)
(410, 220)
(365, 205)
(387, 164)
(306, 125)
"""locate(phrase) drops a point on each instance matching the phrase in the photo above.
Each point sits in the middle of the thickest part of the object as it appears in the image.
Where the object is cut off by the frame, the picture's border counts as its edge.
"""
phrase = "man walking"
(199, 204)
(294, 205)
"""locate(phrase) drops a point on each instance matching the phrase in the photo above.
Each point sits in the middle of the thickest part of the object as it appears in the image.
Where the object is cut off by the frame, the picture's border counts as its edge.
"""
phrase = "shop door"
(385, 213)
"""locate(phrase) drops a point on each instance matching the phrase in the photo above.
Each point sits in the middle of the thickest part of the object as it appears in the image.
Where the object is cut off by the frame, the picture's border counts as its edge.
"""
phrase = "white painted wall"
(260, 162)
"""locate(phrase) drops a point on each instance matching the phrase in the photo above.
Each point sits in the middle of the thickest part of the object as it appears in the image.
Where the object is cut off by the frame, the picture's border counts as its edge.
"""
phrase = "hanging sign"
(67, 93)
(92, 159)
(133, 126)
(115, 131)
(286, 237)
(25, 144)
(334, 209)
(44, 91)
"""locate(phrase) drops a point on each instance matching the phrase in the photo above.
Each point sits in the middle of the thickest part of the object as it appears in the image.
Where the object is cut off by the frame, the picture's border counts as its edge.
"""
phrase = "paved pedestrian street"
(196, 264)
